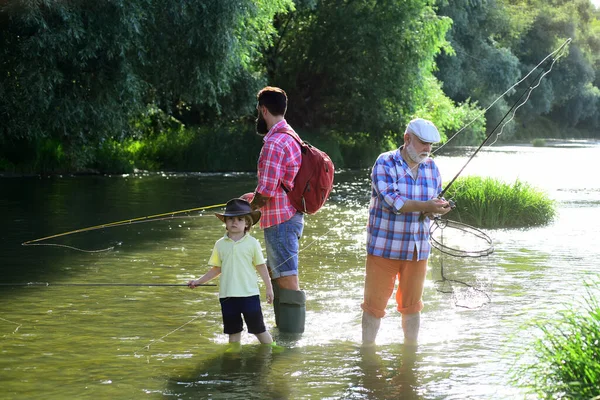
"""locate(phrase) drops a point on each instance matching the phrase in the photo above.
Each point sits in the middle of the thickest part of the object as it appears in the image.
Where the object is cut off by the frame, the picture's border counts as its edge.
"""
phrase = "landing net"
(457, 268)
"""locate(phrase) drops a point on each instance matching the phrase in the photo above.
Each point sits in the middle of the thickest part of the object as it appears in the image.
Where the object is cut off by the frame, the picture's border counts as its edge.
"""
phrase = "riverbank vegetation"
(112, 86)
(564, 361)
(490, 203)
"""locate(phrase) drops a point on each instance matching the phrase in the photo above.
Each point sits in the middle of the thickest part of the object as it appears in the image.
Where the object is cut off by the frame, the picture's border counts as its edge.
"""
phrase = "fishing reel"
(451, 203)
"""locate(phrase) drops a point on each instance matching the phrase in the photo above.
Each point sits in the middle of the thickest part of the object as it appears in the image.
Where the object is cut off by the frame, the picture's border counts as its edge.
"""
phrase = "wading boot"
(370, 327)
(410, 326)
(292, 311)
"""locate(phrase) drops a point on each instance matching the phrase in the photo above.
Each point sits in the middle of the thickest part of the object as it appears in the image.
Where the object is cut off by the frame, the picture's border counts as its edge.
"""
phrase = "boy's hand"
(270, 295)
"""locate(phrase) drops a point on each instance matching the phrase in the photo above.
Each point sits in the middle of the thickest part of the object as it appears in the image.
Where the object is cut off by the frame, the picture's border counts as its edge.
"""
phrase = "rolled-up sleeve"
(385, 181)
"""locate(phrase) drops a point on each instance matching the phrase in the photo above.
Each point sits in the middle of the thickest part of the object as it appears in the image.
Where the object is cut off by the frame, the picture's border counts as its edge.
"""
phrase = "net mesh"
(459, 264)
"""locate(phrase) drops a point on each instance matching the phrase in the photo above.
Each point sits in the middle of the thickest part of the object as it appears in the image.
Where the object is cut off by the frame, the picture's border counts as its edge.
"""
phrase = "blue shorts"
(282, 244)
(232, 309)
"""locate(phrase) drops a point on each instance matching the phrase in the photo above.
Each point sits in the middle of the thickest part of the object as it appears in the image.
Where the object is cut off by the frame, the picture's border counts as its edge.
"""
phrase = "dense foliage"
(496, 42)
(356, 67)
(77, 73)
(82, 81)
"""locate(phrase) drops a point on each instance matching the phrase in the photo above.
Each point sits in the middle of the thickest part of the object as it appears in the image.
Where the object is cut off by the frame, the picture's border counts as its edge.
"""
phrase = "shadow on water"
(302, 373)
(245, 375)
(386, 375)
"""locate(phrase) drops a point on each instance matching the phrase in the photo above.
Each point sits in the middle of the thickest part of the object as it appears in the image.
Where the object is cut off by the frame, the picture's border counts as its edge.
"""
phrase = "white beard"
(414, 156)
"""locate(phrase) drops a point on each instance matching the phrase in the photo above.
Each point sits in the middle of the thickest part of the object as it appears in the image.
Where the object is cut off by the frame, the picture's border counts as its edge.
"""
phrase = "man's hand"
(437, 206)
(259, 201)
(248, 197)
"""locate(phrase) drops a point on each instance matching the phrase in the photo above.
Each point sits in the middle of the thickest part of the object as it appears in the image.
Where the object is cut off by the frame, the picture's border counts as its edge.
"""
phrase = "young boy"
(236, 257)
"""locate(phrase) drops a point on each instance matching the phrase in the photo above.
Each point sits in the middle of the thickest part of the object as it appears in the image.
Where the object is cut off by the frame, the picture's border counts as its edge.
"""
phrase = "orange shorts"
(380, 280)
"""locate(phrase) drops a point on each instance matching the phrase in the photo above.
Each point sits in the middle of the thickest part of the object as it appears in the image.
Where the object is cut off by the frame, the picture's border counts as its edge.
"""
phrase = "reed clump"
(564, 362)
(538, 142)
(491, 203)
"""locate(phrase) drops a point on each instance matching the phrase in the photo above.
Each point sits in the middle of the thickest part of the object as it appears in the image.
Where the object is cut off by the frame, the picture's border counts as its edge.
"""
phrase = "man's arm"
(433, 206)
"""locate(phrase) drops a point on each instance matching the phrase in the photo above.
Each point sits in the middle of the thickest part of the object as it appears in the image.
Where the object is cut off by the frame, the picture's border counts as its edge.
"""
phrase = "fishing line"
(542, 74)
(97, 284)
(514, 107)
(12, 322)
(147, 347)
(506, 92)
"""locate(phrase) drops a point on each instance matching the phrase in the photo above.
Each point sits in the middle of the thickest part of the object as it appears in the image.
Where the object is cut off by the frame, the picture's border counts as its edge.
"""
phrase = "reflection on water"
(115, 342)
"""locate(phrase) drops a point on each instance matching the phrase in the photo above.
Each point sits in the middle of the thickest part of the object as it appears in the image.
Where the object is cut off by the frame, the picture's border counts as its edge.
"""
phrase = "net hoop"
(442, 224)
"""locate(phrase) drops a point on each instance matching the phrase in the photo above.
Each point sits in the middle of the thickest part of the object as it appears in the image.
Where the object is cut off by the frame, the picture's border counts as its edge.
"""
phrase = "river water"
(111, 341)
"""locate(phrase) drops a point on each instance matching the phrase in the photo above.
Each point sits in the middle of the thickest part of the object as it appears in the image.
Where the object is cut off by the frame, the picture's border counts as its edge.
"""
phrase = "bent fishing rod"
(513, 107)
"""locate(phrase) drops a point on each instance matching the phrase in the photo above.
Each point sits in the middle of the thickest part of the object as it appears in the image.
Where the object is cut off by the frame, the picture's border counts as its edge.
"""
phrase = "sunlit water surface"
(108, 341)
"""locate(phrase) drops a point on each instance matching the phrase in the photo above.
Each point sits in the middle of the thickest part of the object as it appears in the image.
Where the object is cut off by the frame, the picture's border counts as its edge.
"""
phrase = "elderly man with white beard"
(405, 187)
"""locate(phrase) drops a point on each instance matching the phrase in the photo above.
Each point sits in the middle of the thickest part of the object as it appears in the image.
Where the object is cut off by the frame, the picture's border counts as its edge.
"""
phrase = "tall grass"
(490, 203)
(566, 358)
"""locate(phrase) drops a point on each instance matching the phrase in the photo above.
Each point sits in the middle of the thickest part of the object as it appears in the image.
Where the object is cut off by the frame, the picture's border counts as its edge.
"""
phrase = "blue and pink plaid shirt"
(278, 164)
(391, 234)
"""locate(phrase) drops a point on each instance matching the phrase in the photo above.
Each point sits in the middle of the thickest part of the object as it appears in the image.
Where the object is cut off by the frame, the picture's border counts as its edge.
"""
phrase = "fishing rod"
(118, 223)
(512, 109)
(528, 90)
(441, 195)
(99, 284)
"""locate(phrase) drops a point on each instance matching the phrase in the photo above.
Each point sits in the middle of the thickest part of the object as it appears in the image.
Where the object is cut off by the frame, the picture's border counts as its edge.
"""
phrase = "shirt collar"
(398, 156)
(228, 238)
(275, 128)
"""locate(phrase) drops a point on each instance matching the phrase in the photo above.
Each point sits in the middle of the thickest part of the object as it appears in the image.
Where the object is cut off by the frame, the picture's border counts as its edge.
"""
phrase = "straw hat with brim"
(238, 208)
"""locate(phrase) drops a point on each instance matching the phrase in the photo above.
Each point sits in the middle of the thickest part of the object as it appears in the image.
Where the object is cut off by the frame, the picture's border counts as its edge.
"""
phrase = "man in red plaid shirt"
(278, 164)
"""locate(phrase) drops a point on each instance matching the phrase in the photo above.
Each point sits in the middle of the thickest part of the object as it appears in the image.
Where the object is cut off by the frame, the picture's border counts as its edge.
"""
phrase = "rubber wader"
(290, 309)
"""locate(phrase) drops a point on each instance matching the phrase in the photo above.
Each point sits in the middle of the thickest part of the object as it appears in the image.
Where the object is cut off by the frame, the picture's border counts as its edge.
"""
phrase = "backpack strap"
(294, 135)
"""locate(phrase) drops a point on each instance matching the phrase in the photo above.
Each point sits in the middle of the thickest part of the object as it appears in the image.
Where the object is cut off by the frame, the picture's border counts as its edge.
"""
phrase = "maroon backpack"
(314, 181)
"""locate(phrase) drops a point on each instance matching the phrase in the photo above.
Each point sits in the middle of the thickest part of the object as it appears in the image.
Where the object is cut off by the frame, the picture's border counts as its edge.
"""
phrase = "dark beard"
(261, 126)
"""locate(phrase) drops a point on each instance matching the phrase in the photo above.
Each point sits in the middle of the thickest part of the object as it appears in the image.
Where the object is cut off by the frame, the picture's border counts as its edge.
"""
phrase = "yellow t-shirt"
(238, 261)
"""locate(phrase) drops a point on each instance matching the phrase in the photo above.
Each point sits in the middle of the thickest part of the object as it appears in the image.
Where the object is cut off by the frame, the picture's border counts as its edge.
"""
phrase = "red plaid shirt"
(278, 164)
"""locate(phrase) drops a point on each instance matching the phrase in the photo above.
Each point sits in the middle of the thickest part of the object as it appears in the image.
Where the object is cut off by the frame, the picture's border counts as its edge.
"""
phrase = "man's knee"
(290, 282)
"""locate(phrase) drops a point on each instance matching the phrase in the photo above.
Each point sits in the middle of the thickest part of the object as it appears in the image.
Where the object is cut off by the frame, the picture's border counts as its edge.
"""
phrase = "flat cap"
(424, 130)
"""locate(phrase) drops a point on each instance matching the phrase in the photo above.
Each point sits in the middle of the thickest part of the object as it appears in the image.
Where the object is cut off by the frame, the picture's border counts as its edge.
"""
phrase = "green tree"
(497, 42)
(480, 66)
(77, 72)
(355, 66)
(65, 72)
(575, 97)
(205, 57)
